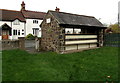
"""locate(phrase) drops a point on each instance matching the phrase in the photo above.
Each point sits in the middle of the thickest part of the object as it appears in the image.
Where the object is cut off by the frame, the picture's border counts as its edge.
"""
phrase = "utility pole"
(119, 13)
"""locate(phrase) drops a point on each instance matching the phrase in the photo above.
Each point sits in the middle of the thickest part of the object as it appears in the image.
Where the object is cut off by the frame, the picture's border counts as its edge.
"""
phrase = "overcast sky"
(107, 10)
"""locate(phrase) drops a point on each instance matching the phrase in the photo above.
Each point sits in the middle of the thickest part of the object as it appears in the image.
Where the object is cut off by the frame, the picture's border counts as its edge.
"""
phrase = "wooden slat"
(80, 36)
(78, 47)
(81, 41)
(93, 45)
(83, 46)
(73, 47)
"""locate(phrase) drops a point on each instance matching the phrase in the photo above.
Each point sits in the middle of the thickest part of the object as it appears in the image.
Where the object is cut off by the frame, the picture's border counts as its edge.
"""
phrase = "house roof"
(74, 19)
(33, 14)
(5, 26)
(11, 15)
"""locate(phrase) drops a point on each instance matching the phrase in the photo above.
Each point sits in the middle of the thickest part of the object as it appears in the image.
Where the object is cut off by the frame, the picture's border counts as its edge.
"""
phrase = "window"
(14, 32)
(77, 31)
(35, 31)
(72, 30)
(48, 20)
(35, 21)
(69, 30)
(22, 33)
(16, 22)
(18, 32)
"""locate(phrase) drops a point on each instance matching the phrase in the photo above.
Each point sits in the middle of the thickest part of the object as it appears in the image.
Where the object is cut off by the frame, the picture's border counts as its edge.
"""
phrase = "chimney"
(57, 9)
(23, 6)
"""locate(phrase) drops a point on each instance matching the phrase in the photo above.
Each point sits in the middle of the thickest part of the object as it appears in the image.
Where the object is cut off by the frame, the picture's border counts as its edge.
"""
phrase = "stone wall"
(12, 44)
(101, 37)
(51, 34)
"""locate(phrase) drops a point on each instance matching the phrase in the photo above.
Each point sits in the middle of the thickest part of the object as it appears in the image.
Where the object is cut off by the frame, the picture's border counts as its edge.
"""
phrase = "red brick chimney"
(22, 6)
(57, 9)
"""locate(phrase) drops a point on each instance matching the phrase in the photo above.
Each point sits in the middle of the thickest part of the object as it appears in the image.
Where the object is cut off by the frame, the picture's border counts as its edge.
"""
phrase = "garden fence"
(112, 39)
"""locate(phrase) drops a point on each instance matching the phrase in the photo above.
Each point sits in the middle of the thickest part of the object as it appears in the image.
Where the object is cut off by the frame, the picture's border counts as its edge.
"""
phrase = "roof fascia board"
(54, 17)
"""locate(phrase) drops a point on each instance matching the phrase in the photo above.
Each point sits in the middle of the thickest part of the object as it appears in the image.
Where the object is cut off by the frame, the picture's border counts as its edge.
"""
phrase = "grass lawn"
(91, 65)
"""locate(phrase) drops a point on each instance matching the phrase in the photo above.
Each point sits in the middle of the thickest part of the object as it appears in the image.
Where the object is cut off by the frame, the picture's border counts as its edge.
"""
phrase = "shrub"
(30, 36)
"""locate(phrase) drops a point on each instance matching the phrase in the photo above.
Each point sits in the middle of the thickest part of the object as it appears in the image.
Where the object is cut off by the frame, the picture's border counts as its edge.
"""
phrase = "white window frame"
(48, 20)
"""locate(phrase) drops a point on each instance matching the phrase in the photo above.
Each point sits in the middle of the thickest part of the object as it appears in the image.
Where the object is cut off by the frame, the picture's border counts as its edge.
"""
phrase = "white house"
(14, 24)
(33, 20)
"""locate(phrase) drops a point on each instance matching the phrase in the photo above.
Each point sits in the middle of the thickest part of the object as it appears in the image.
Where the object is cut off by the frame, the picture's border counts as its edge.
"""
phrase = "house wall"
(30, 25)
(50, 40)
(18, 27)
(14, 27)
(7, 22)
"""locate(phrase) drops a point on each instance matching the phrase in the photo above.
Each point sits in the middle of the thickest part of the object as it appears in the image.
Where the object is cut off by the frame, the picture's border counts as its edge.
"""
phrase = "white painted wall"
(0, 37)
(3, 22)
(16, 27)
(30, 25)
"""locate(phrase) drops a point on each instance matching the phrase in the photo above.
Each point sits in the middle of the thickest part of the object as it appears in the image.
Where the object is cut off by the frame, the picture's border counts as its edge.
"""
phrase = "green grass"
(91, 65)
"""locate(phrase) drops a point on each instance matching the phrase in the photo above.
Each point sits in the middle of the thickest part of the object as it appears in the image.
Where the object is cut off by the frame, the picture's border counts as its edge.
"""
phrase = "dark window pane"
(13, 32)
(18, 32)
(33, 31)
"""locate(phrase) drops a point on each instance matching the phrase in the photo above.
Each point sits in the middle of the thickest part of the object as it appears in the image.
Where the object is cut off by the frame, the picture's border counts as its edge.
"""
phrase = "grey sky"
(107, 10)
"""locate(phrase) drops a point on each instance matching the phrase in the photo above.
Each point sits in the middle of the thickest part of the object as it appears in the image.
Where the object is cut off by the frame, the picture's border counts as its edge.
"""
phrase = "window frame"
(48, 20)
(35, 21)
(15, 32)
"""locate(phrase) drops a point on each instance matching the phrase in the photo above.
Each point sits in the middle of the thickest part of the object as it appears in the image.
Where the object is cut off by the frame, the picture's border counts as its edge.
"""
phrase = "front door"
(5, 34)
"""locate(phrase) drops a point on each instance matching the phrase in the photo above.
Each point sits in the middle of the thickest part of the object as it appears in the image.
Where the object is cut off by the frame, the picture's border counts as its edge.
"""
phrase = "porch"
(5, 32)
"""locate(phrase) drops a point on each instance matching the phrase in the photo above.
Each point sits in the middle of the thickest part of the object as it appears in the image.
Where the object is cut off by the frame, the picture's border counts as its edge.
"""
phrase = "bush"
(30, 37)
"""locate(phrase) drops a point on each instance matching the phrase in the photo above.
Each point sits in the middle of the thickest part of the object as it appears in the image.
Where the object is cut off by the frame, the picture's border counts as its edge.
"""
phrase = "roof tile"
(11, 15)
(74, 19)
(33, 14)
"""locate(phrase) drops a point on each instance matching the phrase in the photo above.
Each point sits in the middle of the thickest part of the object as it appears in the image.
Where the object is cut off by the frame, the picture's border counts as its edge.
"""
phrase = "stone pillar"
(101, 38)
(38, 44)
(21, 43)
